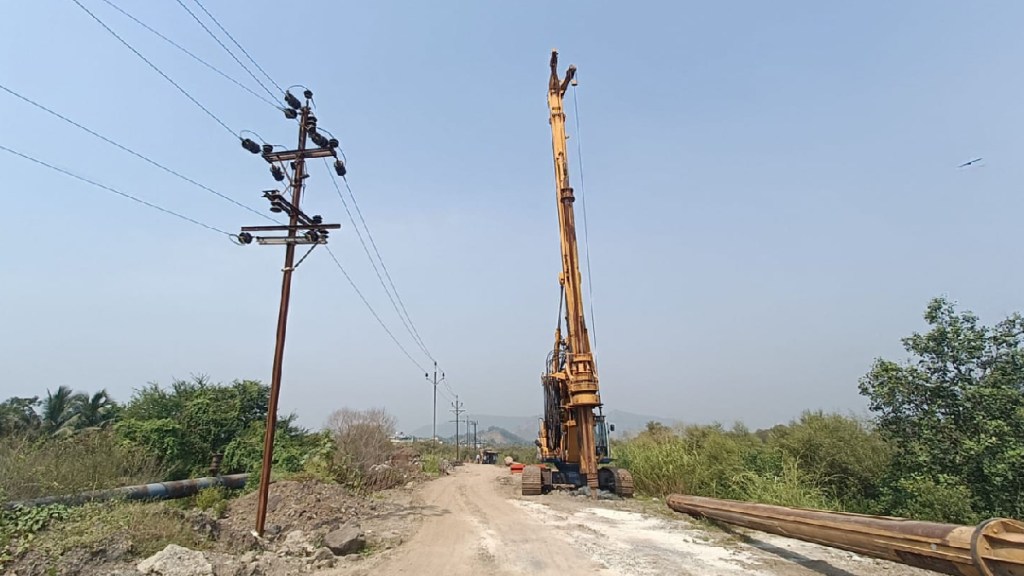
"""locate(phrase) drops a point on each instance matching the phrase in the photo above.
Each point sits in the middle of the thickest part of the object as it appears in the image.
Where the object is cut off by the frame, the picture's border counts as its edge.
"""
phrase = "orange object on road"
(516, 467)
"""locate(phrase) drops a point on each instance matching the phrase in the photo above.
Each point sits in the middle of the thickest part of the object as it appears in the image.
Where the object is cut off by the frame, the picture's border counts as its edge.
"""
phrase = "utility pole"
(436, 382)
(467, 437)
(314, 233)
(457, 409)
(476, 446)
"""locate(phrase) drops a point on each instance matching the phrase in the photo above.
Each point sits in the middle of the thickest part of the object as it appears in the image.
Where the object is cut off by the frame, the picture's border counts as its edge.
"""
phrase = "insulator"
(276, 208)
(292, 100)
(308, 94)
(318, 139)
(245, 238)
(251, 146)
(268, 149)
(339, 167)
(310, 122)
(318, 219)
(290, 114)
(277, 173)
(332, 143)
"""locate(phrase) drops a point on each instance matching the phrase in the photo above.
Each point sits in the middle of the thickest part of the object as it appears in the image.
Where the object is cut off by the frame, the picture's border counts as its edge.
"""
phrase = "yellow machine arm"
(572, 375)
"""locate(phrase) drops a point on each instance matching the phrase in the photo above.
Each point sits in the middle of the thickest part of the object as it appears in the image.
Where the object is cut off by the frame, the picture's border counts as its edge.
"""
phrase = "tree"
(59, 410)
(96, 411)
(955, 414)
(19, 416)
(185, 424)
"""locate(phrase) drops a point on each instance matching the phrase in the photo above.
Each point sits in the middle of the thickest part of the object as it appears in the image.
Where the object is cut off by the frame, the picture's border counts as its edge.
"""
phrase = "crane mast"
(573, 371)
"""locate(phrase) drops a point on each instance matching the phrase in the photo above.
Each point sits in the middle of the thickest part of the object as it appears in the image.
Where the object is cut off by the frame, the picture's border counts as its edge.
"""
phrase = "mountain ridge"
(525, 427)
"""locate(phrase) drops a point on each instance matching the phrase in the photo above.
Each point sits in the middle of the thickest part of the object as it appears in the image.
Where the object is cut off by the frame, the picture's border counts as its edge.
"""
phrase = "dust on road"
(475, 522)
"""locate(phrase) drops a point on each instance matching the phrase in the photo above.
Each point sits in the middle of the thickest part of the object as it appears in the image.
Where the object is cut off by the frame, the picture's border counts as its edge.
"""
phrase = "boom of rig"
(572, 437)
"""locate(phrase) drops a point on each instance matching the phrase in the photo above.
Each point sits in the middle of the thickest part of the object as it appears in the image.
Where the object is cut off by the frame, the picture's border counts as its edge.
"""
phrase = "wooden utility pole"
(457, 409)
(314, 233)
(436, 382)
(476, 446)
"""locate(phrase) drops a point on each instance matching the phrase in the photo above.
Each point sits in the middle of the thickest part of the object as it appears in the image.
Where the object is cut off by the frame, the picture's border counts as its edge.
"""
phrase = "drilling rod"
(581, 373)
(993, 548)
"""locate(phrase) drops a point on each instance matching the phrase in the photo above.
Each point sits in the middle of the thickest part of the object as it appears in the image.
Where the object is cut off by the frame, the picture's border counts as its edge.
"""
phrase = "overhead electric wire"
(372, 262)
(232, 38)
(583, 203)
(194, 57)
(226, 49)
(132, 152)
(387, 274)
(115, 191)
(154, 67)
(408, 325)
(372, 311)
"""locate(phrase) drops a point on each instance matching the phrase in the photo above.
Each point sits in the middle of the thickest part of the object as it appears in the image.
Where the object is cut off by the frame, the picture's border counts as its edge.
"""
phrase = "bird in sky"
(966, 164)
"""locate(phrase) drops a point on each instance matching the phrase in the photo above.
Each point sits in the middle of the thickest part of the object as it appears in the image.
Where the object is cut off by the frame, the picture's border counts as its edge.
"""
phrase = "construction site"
(768, 214)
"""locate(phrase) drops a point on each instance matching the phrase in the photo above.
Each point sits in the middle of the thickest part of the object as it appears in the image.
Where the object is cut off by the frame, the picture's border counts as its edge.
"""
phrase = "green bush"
(939, 499)
(842, 455)
(431, 464)
(711, 461)
(213, 500)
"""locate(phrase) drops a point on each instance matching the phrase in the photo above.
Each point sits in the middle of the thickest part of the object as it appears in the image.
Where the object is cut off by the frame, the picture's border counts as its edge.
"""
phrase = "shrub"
(939, 499)
(89, 460)
(363, 448)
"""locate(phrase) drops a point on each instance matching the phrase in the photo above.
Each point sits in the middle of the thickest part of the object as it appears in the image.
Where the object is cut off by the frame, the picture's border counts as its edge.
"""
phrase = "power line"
(194, 57)
(583, 202)
(224, 30)
(386, 273)
(154, 67)
(132, 152)
(373, 263)
(230, 53)
(115, 191)
(372, 311)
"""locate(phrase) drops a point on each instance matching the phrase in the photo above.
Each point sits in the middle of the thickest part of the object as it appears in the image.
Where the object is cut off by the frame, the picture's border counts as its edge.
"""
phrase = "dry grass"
(33, 468)
(363, 448)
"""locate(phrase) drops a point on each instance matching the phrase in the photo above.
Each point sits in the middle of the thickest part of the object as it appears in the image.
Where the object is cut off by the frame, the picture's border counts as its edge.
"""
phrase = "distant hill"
(525, 427)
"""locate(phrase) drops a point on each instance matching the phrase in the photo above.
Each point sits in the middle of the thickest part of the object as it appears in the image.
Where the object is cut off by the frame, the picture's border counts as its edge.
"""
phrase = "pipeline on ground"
(155, 491)
(993, 548)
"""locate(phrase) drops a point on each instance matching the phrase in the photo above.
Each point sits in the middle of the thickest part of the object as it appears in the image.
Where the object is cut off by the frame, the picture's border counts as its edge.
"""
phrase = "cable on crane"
(115, 191)
(583, 203)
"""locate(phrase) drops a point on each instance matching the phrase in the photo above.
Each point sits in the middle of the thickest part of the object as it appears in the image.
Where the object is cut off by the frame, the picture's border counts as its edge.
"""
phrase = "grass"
(710, 461)
(33, 468)
(140, 529)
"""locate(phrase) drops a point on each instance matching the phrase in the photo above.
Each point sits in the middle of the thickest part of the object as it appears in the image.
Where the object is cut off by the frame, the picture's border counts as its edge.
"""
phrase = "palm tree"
(60, 410)
(96, 411)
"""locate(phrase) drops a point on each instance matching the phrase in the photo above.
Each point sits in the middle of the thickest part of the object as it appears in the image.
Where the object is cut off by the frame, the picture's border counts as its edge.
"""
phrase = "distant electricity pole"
(301, 229)
(476, 446)
(436, 382)
(457, 409)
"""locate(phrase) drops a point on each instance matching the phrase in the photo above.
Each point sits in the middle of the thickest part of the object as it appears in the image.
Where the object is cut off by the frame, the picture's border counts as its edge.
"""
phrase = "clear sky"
(771, 188)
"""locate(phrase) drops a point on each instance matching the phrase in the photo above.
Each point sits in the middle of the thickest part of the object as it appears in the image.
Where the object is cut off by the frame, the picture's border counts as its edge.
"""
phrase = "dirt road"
(474, 522)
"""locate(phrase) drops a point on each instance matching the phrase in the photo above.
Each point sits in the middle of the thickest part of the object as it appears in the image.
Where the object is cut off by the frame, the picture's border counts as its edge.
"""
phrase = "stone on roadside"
(176, 560)
(348, 539)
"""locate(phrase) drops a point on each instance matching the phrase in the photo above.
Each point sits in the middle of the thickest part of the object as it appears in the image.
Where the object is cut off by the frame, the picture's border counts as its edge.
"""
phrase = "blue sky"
(772, 197)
